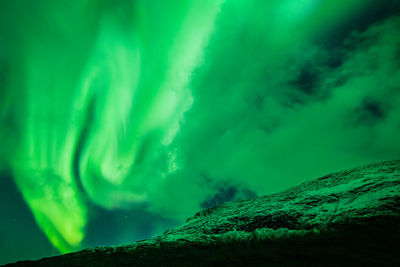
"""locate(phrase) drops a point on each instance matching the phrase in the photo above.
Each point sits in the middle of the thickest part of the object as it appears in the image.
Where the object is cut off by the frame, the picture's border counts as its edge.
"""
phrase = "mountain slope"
(346, 218)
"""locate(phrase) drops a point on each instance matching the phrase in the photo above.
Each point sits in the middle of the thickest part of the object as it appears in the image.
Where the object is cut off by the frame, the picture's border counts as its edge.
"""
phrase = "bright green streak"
(105, 86)
(139, 83)
(132, 94)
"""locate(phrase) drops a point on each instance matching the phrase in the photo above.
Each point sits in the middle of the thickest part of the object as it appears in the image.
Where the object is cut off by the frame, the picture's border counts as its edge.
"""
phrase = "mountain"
(349, 218)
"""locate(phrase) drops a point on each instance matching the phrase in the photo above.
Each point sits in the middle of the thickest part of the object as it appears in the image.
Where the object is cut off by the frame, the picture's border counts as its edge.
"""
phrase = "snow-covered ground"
(315, 205)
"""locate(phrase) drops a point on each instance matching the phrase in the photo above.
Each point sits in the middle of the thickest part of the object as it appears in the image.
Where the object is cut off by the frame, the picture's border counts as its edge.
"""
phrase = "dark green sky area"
(119, 118)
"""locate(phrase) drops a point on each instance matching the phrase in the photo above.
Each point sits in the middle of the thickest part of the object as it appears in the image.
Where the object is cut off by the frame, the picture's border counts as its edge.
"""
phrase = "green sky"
(133, 115)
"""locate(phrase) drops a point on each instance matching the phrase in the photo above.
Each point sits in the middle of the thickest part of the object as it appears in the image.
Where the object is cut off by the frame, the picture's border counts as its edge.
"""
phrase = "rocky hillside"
(346, 218)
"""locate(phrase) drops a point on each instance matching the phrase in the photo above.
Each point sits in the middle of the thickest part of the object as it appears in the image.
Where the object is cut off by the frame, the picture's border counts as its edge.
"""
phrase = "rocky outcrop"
(318, 204)
(346, 218)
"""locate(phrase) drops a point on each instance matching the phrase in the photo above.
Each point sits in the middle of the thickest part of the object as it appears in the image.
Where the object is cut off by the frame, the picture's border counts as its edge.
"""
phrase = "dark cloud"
(373, 12)
(221, 191)
(307, 80)
(226, 193)
(369, 112)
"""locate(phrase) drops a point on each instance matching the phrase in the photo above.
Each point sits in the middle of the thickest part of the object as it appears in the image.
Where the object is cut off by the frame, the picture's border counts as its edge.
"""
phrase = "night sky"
(120, 118)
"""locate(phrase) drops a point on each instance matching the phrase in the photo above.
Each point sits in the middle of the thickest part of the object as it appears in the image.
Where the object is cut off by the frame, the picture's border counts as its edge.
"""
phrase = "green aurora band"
(117, 103)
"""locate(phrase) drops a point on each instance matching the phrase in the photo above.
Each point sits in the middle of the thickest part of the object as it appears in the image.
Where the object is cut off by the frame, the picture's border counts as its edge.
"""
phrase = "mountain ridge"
(357, 209)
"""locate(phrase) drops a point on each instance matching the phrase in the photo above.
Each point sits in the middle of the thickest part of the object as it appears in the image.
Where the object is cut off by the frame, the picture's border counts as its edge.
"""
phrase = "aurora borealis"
(157, 109)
